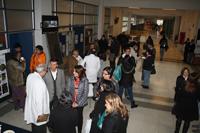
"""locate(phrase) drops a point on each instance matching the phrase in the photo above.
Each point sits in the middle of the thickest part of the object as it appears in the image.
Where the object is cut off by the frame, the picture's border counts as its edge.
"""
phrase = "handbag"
(88, 126)
(174, 109)
(117, 74)
(153, 71)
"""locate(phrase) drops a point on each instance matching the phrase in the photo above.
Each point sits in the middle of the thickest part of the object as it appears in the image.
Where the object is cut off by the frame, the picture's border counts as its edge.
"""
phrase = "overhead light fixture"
(132, 7)
(169, 9)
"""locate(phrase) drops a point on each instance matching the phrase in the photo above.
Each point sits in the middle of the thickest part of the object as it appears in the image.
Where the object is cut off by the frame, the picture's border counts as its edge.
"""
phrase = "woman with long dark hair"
(79, 86)
(186, 101)
(106, 87)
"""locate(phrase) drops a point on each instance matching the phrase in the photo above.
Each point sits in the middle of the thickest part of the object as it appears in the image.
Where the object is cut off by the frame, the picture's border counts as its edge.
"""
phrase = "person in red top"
(38, 57)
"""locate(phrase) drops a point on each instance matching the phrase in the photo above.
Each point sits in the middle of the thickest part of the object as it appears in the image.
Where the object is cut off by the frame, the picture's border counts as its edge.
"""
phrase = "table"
(5, 127)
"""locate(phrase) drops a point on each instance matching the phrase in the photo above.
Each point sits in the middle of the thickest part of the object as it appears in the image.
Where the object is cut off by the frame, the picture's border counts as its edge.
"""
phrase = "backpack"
(164, 44)
(117, 74)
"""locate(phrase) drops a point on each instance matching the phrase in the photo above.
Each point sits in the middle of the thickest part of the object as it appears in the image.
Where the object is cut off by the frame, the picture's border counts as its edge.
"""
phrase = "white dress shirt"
(37, 99)
(54, 74)
(92, 66)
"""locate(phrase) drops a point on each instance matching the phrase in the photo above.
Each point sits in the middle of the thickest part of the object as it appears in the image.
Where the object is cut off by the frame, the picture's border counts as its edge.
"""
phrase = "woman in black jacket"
(116, 119)
(186, 101)
(106, 87)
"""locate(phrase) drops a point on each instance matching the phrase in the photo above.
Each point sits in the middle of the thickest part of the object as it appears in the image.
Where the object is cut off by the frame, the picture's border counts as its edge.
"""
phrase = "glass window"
(1, 21)
(107, 20)
(124, 29)
(125, 19)
(63, 6)
(78, 7)
(64, 19)
(95, 29)
(91, 9)
(95, 19)
(89, 20)
(107, 11)
(1, 4)
(19, 20)
(159, 22)
(19, 4)
(125, 23)
(78, 19)
(63, 29)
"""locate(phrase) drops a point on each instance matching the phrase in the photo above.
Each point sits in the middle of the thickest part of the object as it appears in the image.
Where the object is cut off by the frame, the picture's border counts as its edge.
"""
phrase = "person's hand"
(74, 105)
(42, 118)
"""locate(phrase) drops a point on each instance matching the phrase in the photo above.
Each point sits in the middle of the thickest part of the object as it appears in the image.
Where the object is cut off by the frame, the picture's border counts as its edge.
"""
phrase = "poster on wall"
(4, 90)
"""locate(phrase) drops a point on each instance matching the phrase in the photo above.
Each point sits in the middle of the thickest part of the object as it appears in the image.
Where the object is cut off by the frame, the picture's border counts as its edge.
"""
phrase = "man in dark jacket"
(103, 44)
(187, 43)
(147, 68)
(163, 47)
(63, 119)
(191, 49)
(128, 69)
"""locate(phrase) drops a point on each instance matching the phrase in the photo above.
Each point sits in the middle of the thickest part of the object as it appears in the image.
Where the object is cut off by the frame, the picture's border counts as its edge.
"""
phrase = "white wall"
(178, 4)
(42, 7)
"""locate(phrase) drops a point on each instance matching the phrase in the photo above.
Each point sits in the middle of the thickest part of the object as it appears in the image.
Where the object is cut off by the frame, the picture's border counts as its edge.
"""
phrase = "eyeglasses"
(105, 74)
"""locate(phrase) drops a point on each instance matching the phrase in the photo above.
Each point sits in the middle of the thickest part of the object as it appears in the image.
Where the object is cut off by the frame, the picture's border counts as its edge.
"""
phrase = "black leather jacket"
(114, 123)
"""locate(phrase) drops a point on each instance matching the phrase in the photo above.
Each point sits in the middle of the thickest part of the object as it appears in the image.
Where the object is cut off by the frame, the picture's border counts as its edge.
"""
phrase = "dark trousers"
(18, 96)
(39, 129)
(80, 119)
(129, 91)
(185, 126)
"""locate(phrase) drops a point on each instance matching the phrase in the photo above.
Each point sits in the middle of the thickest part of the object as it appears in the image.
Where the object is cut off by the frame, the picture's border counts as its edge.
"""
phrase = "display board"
(4, 89)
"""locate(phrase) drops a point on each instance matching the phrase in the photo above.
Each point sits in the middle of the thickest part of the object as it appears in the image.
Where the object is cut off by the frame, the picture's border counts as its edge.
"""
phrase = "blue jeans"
(162, 52)
(146, 75)
(129, 90)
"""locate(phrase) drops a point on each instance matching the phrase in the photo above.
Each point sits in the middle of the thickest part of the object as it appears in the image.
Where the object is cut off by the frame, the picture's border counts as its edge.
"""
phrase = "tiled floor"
(153, 114)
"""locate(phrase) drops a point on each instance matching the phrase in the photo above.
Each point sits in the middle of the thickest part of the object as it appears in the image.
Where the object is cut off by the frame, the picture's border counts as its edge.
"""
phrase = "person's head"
(53, 64)
(92, 46)
(18, 48)
(113, 103)
(75, 53)
(185, 72)
(127, 50)
(149, 37)
(38, 49)
(79, 71)
(107, 85)
(102, 56)
(103, 37)
(41, 69)
(107, 73)
(92, 51)
(149, 52)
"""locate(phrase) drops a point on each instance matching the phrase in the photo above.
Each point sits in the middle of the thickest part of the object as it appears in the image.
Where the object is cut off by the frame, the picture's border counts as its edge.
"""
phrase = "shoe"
(134, 106)
(145, 87)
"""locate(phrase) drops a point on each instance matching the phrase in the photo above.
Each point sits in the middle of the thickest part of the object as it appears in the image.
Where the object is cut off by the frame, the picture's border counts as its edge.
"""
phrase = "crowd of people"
(55, 98)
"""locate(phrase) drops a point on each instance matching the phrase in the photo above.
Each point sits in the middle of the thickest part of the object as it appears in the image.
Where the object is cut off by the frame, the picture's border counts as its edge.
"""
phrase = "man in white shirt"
(92, 65)
(37, 100)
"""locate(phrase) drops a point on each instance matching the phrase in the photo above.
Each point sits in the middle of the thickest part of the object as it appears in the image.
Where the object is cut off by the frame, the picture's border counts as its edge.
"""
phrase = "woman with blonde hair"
(116, 119)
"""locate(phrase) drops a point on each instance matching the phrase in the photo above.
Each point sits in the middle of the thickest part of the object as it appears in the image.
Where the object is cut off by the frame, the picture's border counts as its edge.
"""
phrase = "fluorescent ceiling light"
(169, 9)
(134, 7)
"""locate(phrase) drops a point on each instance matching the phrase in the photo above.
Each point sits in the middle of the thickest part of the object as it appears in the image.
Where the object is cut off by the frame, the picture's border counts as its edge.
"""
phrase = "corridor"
(154, 112)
